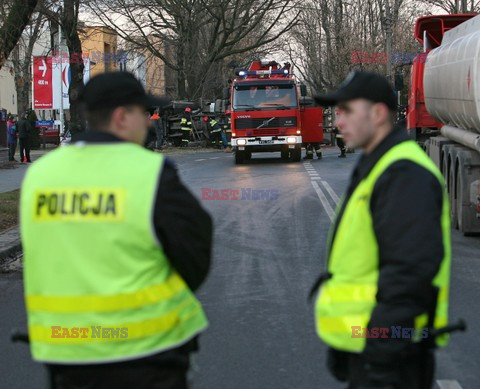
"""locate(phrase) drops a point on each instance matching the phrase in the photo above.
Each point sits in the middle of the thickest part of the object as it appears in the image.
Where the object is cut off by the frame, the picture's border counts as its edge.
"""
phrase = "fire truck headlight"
(291, 139)
(241, 142)
(299, 132)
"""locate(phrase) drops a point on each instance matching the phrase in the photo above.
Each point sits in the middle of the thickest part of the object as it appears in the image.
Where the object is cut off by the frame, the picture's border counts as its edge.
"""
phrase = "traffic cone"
(24, 159)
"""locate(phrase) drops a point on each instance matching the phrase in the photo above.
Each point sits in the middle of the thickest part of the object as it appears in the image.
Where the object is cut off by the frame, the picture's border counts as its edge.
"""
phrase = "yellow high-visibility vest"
(98, 285)
(348, 298)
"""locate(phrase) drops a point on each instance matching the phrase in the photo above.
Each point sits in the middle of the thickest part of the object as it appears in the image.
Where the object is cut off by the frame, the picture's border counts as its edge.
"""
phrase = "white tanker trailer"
(451, 83)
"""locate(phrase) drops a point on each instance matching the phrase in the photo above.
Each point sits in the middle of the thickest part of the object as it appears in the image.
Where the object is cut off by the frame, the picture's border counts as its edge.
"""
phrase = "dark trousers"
(341, 145)
(216, 138)
(414, 370)
(185, 137)
(24, 149)
(166, 370)
(311, 146)
(11, 151)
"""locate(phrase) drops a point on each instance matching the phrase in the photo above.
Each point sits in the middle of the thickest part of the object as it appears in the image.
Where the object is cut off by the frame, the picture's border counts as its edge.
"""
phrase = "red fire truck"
(270, 112)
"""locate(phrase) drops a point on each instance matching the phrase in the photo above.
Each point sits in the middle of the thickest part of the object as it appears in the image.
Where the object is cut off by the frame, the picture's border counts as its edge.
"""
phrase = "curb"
(10, 243)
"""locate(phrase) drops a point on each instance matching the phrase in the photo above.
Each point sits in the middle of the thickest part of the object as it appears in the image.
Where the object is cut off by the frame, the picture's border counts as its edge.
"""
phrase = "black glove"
(337, 364)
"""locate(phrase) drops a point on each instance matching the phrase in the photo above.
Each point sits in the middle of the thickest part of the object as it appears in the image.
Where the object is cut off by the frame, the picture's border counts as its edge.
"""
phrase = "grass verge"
(9, 209)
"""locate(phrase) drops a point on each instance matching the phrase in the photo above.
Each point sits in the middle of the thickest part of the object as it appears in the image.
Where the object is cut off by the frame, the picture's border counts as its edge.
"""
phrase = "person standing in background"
(186, 126)
(11, 138)
(24, 129)
(157, 125)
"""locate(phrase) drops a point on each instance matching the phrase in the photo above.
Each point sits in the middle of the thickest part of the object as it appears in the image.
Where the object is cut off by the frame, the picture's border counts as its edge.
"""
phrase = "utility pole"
(62, 119)
(388, 35)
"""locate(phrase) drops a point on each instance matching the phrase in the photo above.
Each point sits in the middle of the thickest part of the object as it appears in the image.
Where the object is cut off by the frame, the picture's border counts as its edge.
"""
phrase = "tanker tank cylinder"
(468, 139)
(451, 79)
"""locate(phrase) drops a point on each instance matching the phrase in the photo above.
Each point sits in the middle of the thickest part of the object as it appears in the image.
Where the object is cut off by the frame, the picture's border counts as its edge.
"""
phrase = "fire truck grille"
(261, 124)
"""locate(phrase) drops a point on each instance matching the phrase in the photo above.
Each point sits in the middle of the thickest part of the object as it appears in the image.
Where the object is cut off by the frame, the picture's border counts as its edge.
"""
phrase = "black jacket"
(406, 207)
(23, 128)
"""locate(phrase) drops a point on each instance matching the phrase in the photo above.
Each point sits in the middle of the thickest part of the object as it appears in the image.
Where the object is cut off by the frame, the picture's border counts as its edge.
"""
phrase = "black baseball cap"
(365, 85)
(115, 89)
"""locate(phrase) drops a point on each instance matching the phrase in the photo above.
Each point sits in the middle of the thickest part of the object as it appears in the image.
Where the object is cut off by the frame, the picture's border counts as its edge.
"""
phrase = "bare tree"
(456, 6)
(21, 58)
(64, 13)
(335, 37)
(18, 16)
(203, 34)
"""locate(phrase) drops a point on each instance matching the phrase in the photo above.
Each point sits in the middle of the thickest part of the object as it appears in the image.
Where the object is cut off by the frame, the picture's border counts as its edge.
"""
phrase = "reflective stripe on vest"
(348, 298)
(98, 285)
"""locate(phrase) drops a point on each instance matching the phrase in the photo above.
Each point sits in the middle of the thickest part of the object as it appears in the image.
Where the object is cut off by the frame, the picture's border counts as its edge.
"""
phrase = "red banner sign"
(42, 83)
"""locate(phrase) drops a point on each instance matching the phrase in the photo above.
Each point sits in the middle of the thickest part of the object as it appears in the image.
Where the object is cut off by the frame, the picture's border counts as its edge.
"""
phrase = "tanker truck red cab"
(266, 114)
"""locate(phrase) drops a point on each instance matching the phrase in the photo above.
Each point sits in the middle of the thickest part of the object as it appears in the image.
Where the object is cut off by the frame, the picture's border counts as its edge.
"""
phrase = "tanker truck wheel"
(459, 205)
(452, 194)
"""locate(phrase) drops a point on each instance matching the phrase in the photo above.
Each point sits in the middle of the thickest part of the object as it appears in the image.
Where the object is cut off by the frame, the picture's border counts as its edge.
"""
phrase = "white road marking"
(214, 157)
(323, 200)
(448, 384)
(316, 178)
(331, 191)
(201, 159)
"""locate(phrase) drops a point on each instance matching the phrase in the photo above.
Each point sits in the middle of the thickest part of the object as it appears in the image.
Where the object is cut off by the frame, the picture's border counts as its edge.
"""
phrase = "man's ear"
(380, 113)
(118, 117)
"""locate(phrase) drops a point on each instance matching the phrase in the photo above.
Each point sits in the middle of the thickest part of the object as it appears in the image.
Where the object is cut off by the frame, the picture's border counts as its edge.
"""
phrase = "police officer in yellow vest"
(114, 246)
(388, 259)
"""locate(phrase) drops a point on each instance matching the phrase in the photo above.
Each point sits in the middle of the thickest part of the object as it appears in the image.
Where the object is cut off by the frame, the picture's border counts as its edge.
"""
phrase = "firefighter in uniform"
(227, 128)
(215, 133)
(309, 149)
(108, 279)
(186, 126)
(388, 259)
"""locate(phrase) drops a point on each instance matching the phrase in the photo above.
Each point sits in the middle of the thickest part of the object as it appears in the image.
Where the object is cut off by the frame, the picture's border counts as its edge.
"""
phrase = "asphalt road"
(267, 254)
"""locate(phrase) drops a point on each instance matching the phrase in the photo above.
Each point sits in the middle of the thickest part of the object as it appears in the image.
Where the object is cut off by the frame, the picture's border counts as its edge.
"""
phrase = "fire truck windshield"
(264, 97)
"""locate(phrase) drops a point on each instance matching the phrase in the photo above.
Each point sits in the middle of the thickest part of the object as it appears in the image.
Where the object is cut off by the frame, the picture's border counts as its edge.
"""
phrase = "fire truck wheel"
(239, 157)
(248, 155)
(296, 154)
(284, 154)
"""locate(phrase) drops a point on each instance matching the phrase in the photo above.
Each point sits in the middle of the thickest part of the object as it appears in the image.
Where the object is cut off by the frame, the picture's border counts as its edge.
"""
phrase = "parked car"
(49, 135)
